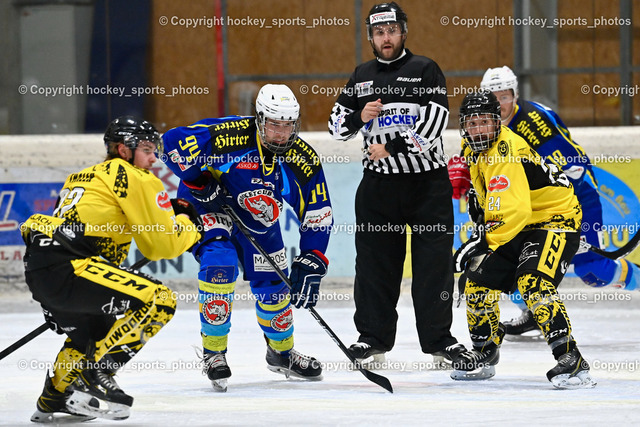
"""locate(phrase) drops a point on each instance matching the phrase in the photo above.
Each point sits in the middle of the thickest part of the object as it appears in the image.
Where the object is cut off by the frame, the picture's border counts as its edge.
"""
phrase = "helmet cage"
(277, 148)
(479, 142)
(278, 103)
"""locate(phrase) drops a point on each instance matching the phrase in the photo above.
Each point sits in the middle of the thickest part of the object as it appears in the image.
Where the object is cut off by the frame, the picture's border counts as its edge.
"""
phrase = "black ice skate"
(294, 365)
(102, 386)
(475, 364)
(571, 372)
(367, 355)
(523, 328)
(217, 370)
(444, 357)
(51, 407)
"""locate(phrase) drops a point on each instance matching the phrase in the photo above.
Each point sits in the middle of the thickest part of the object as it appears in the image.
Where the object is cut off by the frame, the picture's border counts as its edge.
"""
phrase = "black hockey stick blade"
(22, 341)
(618, 253)
(40, 329)
(377, 379)
(374, 378)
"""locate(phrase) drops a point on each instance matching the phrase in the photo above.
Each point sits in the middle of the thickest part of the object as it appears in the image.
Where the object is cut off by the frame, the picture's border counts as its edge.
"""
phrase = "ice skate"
(571, 372)
(366, 355)
(102, 386)
(294, 365)
(476, 365)
(51, 407)
(523, 328)
(444, 358)
(217, 370)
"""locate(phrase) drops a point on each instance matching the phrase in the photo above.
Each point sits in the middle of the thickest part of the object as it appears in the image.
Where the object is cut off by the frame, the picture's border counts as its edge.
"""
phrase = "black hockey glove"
(182, 206)
(209, 192)
(51, 322)
(472, 252)
(307, 270)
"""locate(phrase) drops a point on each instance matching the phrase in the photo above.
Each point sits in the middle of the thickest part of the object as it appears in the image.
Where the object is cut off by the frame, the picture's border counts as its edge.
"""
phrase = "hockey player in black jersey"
(399, 103)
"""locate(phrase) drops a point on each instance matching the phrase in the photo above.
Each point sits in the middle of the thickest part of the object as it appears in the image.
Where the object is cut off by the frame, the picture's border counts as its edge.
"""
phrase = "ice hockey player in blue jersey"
(254, 164)
(543, 129)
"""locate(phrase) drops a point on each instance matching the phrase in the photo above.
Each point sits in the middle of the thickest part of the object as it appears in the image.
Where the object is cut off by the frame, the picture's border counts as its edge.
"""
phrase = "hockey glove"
(472, 252)
(459, 176)
(51, 322)
(307, 270)
(182, 206)
(209, 192)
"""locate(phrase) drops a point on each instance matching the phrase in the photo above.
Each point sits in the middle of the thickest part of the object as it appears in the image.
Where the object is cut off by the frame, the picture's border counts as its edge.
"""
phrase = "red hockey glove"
(459, 176)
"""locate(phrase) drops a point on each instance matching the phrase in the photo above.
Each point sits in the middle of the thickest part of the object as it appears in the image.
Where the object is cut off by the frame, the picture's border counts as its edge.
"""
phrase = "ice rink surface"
(169, 389)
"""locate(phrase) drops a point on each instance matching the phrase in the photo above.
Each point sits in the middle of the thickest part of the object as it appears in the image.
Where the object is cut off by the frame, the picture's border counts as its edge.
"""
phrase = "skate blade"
(78, 402)
(58, 418)
(581, 380)
(220, 385)
(290, 374)
(529, 336)
(482, 373)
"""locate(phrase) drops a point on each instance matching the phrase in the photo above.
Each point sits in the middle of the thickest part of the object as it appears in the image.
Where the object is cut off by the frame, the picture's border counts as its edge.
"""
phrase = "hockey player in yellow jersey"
(527, 230)
(72, 268)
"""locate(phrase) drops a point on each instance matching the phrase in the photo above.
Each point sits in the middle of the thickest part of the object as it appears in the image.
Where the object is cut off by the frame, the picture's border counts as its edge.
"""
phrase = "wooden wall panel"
(182, 59)
(187, 56)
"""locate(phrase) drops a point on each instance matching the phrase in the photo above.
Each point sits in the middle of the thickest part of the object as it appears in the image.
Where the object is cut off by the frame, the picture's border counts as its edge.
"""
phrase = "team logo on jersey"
(248, 165)
(163, 201)
(262, 205)
(320, 217)
(498, 183)
(260, 181)
(216, 309)
(175, 157)
(503, 148)
(260, 263)
(283, 321)
(217, 221)
(364, 88)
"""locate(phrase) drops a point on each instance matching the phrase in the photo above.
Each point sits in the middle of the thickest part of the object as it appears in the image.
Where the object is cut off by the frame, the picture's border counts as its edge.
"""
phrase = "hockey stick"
(40, 329)
(375, 378)
(618, 253)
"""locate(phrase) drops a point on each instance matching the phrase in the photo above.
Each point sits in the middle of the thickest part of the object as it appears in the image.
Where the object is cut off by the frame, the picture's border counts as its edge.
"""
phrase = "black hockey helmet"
(475, 104)
(385, 13)
(131, 131)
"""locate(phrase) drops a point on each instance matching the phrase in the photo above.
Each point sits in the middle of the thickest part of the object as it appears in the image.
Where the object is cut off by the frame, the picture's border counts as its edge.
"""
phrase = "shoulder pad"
(303, 160)
(232, 135)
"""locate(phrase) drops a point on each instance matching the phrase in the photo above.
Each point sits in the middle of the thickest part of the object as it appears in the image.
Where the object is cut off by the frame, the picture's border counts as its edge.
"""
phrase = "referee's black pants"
(385, 205)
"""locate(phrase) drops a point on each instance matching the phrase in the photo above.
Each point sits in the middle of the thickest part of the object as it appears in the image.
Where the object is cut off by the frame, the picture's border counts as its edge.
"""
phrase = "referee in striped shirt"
(398, 101)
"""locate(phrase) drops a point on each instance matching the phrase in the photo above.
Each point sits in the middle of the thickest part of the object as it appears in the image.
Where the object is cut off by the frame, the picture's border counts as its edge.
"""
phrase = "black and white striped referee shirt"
(415, 111)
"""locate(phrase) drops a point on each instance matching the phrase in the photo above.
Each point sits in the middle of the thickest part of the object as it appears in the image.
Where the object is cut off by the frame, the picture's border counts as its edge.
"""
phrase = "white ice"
(169, 388)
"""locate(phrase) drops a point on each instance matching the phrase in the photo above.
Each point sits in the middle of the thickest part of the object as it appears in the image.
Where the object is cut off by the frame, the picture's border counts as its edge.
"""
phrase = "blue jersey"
(547, 134)
(258, 181)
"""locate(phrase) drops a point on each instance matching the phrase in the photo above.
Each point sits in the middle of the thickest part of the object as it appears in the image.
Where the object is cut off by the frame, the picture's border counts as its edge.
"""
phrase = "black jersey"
(413, 92)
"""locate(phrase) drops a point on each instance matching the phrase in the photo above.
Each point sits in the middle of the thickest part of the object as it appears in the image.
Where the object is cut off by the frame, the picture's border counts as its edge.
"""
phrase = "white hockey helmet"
(496, 79)
(277, 102)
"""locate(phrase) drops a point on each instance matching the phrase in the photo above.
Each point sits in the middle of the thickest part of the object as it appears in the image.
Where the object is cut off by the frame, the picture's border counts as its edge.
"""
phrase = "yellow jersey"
(519, 192)
(111, 203)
